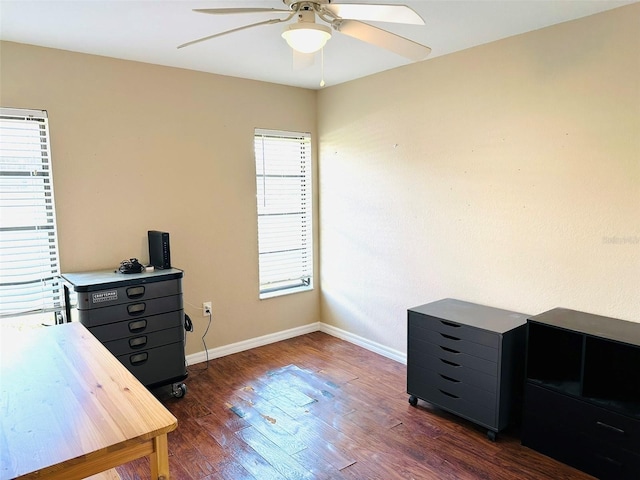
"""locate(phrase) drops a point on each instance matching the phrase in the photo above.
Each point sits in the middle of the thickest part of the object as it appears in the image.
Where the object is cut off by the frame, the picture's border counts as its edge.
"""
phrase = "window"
(285, 240)
(29, 265)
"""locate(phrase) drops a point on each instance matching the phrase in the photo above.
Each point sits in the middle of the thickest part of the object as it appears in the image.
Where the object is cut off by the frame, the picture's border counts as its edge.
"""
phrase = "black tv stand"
(582, 392)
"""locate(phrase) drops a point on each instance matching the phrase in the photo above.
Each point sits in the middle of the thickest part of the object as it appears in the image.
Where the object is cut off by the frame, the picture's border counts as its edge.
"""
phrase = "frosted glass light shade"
(306, 37)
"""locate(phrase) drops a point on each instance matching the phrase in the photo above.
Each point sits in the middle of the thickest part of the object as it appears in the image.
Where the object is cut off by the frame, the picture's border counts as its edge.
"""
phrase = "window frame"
(29, 252)
(284, 196)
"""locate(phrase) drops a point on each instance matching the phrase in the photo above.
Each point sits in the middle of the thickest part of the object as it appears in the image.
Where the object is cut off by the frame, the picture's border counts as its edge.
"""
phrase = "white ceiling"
(150, 30)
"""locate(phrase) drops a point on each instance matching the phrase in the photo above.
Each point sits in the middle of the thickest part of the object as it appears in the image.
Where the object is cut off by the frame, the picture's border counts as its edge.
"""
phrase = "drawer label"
(106, 296)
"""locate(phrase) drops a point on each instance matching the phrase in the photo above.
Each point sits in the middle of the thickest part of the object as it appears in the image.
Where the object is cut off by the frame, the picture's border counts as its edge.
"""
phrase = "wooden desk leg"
(160, 458)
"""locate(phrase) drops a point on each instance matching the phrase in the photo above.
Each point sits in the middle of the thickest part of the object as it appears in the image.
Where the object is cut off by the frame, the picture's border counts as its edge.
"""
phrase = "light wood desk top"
(69, 409)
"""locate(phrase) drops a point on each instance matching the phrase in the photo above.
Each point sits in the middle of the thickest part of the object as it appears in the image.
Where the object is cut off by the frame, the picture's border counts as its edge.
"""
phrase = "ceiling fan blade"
(227, 11)
(266, 22)
(376, 13)
(384, 39)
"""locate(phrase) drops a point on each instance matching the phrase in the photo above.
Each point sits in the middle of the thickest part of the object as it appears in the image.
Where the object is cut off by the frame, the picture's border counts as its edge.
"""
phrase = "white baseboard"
(364, 343)
(251, 343)
(295, 332)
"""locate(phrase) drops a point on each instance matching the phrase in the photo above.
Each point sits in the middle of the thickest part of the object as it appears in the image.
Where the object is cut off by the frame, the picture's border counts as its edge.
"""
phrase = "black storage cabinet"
(139, 317)
(467, 359)
(582, 392)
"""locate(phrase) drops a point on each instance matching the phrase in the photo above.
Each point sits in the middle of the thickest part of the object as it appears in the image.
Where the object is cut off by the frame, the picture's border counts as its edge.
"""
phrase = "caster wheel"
(413, 400)
(491, 435)
(179, 391)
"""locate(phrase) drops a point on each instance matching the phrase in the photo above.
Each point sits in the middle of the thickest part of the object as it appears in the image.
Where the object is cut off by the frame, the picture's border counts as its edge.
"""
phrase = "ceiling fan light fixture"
(306, 37)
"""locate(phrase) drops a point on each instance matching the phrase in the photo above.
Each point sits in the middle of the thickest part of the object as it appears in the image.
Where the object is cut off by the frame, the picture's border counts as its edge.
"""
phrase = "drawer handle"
(449, 324)
(450, 350)
(450, 337)
(611, 428)
(135, 292)
(449, 394)
(139, 358)
(449, 362)
(609, 460)
(449, 378)
(136, 308)
(138, 325)
(138, 342)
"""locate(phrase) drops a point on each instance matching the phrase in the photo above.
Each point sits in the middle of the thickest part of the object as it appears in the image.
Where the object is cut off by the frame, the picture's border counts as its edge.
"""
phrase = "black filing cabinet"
(467, 359)
(139, 317)
(582, 395)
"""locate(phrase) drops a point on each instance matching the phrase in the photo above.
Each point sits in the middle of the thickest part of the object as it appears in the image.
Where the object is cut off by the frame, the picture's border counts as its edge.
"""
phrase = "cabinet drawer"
(143, 308)
(455, 385)
(568, 445)
(444, 398)
(595, 422)
(450, 356)
(469, 375)
(129, 293)
(157, 365)
(137, 326)
(454, 343)
(454, 329)
(609, 462)
(145, 341)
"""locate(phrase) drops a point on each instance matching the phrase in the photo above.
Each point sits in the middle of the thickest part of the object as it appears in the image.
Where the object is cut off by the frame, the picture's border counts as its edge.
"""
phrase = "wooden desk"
(70, 409)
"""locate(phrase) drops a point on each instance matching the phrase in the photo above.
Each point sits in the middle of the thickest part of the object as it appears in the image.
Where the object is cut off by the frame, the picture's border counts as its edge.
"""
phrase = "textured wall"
(507, 174)
(138, 147)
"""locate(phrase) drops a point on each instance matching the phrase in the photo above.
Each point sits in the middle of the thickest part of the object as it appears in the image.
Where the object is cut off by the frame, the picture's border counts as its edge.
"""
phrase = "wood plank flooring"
(317, 407)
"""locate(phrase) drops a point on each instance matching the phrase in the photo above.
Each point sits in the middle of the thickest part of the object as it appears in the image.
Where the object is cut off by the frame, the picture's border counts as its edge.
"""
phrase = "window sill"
(285, 291)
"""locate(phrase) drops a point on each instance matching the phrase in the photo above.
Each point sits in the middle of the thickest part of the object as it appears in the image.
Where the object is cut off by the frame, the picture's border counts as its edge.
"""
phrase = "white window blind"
(285, 240)
(29, 265)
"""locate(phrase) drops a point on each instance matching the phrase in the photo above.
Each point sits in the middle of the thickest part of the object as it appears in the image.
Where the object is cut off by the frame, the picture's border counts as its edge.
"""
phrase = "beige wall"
(507, 174)
(138, 147)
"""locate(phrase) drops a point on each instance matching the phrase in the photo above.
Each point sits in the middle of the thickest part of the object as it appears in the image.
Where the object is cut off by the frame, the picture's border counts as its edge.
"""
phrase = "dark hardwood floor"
(316, 407)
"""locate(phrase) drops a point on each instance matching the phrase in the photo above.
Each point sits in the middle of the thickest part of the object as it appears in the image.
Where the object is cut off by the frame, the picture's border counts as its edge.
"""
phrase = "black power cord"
(188, 326)
(204, 344)
(131, 266)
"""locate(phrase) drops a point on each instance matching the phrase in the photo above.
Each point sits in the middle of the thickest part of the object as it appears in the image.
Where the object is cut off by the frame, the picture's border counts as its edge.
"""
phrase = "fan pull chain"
(322, 67)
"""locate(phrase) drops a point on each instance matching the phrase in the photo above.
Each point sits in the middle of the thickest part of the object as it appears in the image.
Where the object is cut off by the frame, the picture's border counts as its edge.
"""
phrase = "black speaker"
(159, 253)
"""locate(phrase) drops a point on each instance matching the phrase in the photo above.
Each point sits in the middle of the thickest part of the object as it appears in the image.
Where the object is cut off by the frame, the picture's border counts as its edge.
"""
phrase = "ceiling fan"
(307, 36)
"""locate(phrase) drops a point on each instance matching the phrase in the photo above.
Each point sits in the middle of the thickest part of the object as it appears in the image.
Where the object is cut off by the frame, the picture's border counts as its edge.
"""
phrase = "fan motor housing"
(306, 4)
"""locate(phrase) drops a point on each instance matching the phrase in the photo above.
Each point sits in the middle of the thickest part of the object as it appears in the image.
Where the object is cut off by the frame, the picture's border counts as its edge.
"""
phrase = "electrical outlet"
(206, 309)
